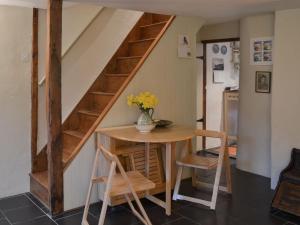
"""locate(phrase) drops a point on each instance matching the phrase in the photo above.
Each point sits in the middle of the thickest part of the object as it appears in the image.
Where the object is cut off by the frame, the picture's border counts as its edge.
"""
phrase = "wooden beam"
(53, 103)
(204, 92)
(34, 86)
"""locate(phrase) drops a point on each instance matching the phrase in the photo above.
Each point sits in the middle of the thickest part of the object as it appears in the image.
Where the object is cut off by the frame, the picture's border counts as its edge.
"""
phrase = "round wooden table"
(168, 136)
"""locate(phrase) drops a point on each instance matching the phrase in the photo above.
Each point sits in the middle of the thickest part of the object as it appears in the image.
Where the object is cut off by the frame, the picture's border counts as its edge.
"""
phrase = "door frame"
(204, 79)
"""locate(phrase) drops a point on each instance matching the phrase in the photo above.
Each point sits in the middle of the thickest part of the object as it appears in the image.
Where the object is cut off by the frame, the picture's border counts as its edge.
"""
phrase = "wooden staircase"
(101, 96)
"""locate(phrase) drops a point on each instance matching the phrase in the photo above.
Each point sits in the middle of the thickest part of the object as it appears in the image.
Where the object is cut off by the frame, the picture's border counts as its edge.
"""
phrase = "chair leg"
(87, 204)
(228, 170)
(140, 206)
(107, 193)
(178, 181)
(217, 182)
(104, 209)
(136, 213)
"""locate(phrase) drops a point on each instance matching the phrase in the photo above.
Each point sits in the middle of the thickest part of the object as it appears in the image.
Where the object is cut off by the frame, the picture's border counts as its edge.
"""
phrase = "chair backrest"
(212, 134)
(114, 159)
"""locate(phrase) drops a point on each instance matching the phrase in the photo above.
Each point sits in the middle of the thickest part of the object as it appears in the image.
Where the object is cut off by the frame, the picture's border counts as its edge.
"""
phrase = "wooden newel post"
(53, 102)
(34, 86)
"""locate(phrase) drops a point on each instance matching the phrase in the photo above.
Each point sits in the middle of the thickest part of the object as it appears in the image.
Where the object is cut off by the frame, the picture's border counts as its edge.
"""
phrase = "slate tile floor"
(249, 205)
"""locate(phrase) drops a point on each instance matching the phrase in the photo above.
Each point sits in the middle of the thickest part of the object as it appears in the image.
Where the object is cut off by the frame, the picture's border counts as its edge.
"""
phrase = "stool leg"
(87, 204)
(178, 181)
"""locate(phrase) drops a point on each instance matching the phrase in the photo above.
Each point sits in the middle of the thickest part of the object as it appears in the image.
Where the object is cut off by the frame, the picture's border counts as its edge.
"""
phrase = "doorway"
(218, 91)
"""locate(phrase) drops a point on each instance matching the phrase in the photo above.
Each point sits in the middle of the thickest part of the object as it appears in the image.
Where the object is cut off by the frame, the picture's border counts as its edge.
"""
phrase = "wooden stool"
(207, 163)
(124, 183)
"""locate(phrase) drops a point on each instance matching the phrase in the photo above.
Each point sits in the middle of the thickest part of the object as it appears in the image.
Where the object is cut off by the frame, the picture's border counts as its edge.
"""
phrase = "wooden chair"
(207, 163)
(123, 183)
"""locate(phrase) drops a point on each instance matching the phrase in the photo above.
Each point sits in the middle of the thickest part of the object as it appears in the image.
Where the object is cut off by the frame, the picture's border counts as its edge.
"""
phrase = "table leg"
(168, 177)
(147, 161)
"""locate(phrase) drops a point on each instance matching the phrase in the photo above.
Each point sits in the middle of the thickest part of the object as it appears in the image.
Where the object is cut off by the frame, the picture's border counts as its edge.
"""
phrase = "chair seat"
(138, 181)
(200, 162)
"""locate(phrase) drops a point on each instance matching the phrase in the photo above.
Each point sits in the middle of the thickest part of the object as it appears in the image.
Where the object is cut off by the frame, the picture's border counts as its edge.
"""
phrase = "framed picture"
(218, 64)
(261, 51)
(263, 82)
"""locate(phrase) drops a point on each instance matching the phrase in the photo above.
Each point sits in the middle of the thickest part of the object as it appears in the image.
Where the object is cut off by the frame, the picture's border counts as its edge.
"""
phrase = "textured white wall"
(254, 153)
(75, 21)
(285, 97)
(219, 31)
(15, 67)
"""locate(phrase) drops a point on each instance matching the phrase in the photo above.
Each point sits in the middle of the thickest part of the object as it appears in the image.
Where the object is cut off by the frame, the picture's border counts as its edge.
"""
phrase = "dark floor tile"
(183, 221)
(36, 201)
(68, 213)
(76, 220)
(4, 222)
(119, 216)
(14, 202)
(158, 216)
(23, 214)
(1, 216)
(205, 216)
(45, 220)
(95, 209)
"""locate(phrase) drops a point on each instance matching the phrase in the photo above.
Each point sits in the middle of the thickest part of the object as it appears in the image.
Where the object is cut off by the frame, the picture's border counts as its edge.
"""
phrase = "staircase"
(97, 101)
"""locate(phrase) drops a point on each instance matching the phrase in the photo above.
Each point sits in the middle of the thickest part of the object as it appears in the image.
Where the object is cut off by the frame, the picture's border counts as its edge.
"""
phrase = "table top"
(158, 135)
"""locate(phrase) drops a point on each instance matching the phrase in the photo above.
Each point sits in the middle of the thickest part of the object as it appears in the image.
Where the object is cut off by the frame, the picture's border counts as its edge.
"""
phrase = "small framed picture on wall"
(263, 82)
(261, 51)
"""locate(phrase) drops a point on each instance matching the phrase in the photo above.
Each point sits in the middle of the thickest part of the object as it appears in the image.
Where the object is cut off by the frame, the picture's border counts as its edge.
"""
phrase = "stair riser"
(100, 101)
(126, 65)
(39, 191)
(111, 84)
(86, 121)
(151, 32)
(70, 141)
(139, 48)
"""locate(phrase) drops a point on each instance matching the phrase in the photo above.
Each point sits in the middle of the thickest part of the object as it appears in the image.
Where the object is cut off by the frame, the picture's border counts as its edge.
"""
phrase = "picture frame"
(263, 81)
(261, 51)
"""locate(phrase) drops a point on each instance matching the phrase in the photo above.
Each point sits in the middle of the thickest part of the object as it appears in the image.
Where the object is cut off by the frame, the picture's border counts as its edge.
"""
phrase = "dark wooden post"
(53, 102)
(34, 86)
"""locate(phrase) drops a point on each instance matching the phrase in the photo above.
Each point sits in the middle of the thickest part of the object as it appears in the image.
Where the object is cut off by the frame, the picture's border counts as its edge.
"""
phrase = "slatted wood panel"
(156, 171)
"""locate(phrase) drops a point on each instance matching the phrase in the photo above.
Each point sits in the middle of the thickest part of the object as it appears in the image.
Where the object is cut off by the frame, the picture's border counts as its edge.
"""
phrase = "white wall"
(254, 110)
(214, 95)
(171, 78)
(75, 21)
(15, 67)
(219, 31)
(285, 93)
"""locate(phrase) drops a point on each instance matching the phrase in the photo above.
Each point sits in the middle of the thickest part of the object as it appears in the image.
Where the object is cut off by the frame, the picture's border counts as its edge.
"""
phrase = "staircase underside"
(101, 96)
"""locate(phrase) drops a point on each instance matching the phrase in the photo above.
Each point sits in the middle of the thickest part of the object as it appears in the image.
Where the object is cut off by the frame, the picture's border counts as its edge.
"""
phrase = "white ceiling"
(212, 10)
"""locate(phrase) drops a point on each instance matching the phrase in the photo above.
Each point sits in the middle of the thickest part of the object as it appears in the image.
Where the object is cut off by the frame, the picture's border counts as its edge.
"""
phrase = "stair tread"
(67, 152)
(74, 133)
(130, 57)
(102, 93)
(42, 178)
(89, 112)
(154, 24)
(141, 40)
